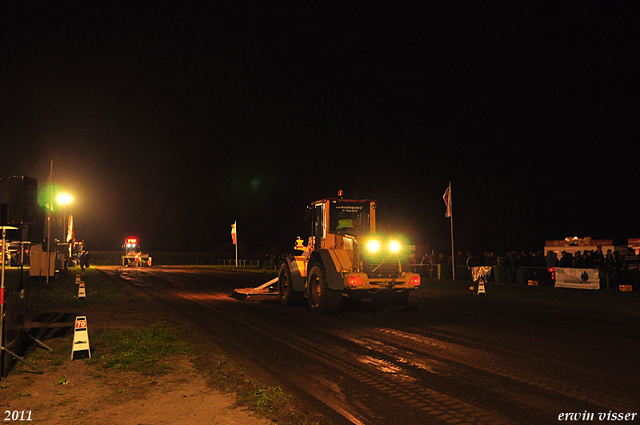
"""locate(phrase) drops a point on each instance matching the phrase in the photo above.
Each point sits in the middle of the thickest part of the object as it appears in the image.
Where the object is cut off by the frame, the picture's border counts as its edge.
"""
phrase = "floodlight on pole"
(64, 198)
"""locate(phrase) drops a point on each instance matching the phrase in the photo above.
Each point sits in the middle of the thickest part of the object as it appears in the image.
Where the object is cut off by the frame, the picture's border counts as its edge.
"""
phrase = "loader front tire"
(322, 300)
(288, 295)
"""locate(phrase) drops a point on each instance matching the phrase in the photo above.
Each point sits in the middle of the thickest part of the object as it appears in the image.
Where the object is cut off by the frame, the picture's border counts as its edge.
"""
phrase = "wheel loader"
(346, 258)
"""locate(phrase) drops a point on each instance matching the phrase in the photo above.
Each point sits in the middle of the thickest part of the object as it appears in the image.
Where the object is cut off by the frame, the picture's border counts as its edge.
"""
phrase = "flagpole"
(234, 238)
(49, 220)
(453, 251)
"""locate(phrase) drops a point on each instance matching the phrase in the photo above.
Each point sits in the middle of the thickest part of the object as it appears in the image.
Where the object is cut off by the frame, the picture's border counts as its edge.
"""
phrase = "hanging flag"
(233, 233)
(70, 232)
(447, 201)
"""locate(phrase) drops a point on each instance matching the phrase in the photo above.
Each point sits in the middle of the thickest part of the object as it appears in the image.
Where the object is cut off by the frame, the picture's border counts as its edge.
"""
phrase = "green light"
(47, 196)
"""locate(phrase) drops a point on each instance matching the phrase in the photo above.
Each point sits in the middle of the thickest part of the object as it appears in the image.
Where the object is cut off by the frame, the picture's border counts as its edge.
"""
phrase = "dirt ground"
(76, 392)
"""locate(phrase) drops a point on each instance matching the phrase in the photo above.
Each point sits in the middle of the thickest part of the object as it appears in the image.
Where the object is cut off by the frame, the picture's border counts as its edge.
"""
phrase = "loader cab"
(335, 219)
(130, 245)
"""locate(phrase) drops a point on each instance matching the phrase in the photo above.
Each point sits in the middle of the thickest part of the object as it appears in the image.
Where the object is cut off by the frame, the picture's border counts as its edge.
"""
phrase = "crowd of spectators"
(618, 267)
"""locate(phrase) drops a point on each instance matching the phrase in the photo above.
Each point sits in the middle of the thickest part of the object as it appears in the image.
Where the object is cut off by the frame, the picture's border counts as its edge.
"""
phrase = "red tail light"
(415, 280)
(355, 280)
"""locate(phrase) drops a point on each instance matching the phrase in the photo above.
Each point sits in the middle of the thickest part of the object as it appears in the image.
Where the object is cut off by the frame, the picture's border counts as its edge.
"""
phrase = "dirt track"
(453, 360)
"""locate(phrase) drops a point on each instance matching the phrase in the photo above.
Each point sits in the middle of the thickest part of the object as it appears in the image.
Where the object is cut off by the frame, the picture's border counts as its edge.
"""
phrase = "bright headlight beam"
(394, 246)
(373, 245)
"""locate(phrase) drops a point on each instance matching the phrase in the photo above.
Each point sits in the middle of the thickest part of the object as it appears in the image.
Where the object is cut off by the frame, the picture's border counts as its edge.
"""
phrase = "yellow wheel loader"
(345, 257)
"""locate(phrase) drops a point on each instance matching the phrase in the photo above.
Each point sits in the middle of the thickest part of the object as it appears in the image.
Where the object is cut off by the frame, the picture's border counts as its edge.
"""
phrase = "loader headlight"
(373, 245)
(394, 246)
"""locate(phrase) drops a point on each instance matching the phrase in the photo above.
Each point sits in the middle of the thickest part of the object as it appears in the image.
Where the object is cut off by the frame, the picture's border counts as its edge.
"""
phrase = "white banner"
(577, 278)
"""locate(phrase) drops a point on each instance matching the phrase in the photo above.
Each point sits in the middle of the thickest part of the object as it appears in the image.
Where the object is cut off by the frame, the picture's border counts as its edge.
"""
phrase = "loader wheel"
(323, 300)
(288, 295)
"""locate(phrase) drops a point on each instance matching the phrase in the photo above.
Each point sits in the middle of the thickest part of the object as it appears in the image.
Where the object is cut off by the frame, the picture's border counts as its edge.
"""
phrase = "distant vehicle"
(133, 256)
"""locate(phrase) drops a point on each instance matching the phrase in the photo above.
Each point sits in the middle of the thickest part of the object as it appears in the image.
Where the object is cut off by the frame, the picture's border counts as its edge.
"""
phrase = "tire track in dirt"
(438, 375)
(401, 388)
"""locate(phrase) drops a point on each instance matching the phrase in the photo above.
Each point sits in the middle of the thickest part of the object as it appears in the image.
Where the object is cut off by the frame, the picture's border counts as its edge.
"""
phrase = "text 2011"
(17, 415)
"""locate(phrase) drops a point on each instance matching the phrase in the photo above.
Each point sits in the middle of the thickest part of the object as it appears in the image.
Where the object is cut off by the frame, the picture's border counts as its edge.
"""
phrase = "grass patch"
(62, 292)
(271, 402)
(39, 356)
(614, 302)
(147, 350)
(268, 399)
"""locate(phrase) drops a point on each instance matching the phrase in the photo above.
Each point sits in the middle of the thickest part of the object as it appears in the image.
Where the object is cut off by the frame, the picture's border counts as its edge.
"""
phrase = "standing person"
(551, 261)
(598, 258)
(566, 260)
(433, 260)
(513, 267)
(615, 272)
(272, 261)
(631, 266)
(578, 260)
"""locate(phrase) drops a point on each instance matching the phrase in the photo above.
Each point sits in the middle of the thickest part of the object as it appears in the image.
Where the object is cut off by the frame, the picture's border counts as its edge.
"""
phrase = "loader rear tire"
(288, 295)
(323, 300)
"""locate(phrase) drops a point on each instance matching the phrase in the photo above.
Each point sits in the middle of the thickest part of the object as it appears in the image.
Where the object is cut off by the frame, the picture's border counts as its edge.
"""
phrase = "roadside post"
(81, 291)
(80, 348)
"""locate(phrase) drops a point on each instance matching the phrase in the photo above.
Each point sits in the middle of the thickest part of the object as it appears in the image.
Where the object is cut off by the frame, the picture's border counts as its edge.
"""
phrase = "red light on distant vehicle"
(132, 241)
(415, 280)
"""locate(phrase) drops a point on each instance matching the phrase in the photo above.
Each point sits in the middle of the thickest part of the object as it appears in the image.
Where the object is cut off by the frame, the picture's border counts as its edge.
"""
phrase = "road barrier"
(241, 263)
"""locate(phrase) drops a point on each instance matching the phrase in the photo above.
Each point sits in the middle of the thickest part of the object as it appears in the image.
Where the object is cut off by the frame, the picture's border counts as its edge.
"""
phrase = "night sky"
(170, 122)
